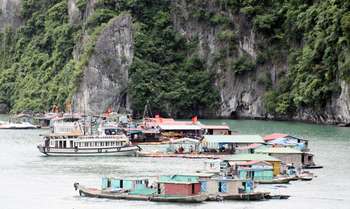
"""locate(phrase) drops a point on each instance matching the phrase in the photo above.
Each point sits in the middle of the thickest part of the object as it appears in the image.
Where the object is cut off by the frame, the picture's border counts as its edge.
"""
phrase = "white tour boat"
(110, 141)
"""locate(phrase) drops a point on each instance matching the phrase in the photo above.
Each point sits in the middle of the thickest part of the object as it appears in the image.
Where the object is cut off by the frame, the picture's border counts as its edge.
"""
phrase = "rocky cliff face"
(10, 13)
(105, 78)
(242, 95)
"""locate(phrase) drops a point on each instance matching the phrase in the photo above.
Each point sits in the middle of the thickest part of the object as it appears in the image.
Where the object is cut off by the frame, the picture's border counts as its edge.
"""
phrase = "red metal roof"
(274, 136)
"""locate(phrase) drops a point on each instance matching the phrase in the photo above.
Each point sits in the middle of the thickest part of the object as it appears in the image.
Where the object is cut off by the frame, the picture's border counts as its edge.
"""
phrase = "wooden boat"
(285, 180)
(253, 196)
(277, 197)
(96, 193)
(312, 166)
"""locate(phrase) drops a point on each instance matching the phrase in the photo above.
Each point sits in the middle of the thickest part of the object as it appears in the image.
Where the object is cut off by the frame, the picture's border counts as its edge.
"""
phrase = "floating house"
(254, 170)
(183, 145)
(216, 129)
(239, 158)
(228, 143)
(176, 130)
(287, 141)
(181, 185)
(286, 154)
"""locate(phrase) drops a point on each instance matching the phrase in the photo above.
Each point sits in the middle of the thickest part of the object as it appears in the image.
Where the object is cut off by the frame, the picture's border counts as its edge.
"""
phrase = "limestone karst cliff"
(224, 58)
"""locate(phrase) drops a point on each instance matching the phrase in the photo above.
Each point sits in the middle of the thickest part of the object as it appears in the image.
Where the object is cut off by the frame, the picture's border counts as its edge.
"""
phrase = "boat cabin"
(228, 144)
(242, 158)
(216, 130)
(288, 156)
(178, 131)
(83, 142)
(286, 140)
(183, 145)
(181, 185)
(224, 185)
(254, 170)
(130, 184)
(67, 125)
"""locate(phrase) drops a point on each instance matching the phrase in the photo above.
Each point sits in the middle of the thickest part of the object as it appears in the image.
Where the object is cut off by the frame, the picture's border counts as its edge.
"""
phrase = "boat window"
(60, 144)
(96, 144)
(56, 144)
(86, 144)
(71, 143)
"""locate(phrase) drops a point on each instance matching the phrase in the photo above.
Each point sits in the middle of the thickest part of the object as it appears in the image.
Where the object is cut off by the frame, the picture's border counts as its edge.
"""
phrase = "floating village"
(234, 167)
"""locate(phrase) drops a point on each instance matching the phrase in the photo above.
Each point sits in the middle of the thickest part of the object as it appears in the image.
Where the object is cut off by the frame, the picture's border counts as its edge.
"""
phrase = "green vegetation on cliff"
(38, 70)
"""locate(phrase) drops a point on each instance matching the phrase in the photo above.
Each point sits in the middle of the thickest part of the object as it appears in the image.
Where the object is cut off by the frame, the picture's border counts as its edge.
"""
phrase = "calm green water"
(30, 181)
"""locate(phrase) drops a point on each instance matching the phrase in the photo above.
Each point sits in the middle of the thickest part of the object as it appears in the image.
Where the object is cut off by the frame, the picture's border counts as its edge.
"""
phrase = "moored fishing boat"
(284, 180)
(129, 195)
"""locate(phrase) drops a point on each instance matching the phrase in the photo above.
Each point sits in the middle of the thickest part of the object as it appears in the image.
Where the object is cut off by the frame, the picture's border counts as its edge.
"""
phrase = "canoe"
(96, 193)
(275, 181)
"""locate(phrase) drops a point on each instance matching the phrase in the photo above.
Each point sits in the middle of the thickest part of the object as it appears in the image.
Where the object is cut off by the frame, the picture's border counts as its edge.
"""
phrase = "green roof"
(277, 150)
(178, 179)
(249, 157)
(233, 139)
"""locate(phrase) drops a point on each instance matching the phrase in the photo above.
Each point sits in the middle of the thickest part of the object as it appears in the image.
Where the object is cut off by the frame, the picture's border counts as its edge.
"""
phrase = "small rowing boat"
(285, 180)
(252, 196)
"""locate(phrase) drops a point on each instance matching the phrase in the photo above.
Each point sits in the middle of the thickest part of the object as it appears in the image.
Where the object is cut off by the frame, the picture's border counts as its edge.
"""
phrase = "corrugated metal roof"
(278, 150)
(274, 136)
(233, 139)
(184, 141)
(249, 157)
(178, 179)
(179, 127)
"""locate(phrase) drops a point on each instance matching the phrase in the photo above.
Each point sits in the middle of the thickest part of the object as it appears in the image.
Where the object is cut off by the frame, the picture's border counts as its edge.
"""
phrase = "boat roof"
(250, 162)
(216, 127)
(179, 127)
(233, 139)
(274, 136)
(249, 157)
(184, 140)
(128, 178)
(278, 150)
(250, 146)
(62, 134)
(280, 136)
(199, 174)
(178, 179)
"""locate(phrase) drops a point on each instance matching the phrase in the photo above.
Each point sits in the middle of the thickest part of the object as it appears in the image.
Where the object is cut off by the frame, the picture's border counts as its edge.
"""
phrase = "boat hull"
(117, 151)
(95, 193)
(254, 196)
(275, 181)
